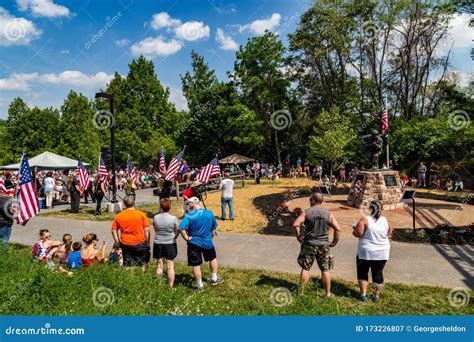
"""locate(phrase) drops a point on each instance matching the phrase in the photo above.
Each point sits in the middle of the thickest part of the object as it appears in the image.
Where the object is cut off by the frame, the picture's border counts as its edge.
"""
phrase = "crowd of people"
(132, 239)
(431, 178)
(132, 243)
(133, 247)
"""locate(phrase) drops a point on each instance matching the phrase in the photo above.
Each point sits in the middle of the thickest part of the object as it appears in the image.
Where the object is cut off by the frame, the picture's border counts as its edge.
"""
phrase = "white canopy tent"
(47, 161)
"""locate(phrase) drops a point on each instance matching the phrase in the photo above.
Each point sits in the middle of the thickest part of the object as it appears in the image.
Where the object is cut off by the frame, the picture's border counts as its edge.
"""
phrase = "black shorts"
(136, 255)
(168, 251)
(197, 253)
(376, 266)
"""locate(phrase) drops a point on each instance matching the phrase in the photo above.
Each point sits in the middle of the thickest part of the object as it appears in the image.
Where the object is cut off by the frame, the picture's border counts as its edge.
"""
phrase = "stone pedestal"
(383, 185)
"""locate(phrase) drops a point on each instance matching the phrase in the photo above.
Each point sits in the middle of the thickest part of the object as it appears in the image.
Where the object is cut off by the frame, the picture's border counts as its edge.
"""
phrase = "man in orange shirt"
(134, 236)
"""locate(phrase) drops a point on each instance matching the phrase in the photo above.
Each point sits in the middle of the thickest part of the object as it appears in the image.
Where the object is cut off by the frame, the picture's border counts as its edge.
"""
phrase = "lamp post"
(110, 98)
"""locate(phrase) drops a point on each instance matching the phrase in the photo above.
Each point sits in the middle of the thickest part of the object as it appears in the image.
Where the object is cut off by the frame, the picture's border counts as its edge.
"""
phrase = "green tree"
(144, 117)
(80, 137)
(217, 118)
(332, 138)
(30, 130)
(259, 76)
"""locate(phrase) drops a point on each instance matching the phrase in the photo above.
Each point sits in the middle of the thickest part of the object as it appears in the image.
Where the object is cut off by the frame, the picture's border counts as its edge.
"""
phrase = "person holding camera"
(198, 228)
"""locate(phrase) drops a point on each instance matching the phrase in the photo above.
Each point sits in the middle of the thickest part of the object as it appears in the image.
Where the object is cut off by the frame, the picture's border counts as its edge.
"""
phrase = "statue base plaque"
(383, 185)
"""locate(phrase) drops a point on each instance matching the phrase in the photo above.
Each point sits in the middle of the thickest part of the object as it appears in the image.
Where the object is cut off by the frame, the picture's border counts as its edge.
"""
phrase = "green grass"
(28, 288)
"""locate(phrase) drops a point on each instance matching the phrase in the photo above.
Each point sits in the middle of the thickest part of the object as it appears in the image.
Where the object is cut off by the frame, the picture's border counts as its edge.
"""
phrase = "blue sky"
(48, 47)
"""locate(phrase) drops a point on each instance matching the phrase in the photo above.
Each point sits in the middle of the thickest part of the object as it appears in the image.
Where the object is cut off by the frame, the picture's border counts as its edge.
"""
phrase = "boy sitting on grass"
(74, 260)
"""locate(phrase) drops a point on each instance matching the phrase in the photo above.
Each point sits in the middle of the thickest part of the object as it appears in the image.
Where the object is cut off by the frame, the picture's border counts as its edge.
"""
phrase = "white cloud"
(177, 97)
(122, 42)
(163, 19)
(76, 78)
(23, 82)
(16, 31)
(18, 82)
(43, 8)
(65, 52)
(226, 42)
(460, 33)
(192, 30)
(258, 27)
(152, 47)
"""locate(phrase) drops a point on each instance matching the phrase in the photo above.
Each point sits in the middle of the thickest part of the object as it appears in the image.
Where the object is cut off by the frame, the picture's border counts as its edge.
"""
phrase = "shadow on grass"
(276, 282)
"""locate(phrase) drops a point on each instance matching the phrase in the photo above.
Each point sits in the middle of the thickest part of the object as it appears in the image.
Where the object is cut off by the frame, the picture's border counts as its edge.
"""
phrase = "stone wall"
(370, 185)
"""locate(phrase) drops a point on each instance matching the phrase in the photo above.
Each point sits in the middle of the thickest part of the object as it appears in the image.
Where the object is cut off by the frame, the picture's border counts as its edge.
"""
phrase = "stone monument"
(375, 183)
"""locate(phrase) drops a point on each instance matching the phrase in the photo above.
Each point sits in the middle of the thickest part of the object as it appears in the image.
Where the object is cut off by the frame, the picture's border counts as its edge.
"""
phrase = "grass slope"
(28, 288)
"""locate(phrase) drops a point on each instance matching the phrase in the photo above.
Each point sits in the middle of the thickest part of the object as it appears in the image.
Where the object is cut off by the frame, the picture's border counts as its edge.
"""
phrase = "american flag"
(103, 173)
(162, 161)
(84, 179)
(28, 205)
(2, 185)
(212, 169)
(385, 122)
(174, 166)
(131, 170)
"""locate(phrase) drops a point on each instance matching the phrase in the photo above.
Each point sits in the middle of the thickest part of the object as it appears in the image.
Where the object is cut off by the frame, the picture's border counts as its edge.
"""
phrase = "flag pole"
(387, 147)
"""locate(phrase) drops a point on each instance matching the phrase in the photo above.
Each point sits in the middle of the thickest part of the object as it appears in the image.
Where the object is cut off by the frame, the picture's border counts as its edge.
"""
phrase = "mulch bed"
(437, 235)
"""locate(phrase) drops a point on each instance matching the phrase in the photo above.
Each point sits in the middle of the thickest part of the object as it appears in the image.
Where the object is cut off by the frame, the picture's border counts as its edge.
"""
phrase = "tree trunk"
(330, 171)
(277, 146)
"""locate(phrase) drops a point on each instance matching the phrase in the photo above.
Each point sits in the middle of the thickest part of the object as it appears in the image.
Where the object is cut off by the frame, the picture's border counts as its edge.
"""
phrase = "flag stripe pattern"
(210, 170)
(162, 161)
(2, 185)
(385, 122)
(103, 173)
(131, 170)
(84, 179)
(28, 205)
(174, 166)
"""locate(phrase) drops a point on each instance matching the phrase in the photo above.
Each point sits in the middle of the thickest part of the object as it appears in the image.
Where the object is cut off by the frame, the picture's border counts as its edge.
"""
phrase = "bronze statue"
(373, 145)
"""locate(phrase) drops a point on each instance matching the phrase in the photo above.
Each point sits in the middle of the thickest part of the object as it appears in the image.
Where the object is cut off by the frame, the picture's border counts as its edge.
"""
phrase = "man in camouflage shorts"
(315, 241)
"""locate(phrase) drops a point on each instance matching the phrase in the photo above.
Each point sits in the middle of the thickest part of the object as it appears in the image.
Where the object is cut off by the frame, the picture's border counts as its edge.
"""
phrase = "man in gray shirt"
(164, 247)
(315, 241)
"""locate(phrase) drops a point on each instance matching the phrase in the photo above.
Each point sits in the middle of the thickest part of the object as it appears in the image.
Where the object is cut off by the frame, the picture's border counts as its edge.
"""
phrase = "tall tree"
(80, 136)
(217, 119)
(32, 130)
(259, 76)
(143, 113)
(332, 138)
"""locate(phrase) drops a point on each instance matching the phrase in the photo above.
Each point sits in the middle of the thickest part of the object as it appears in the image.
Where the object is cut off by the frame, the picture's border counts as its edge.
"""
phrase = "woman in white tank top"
(374, 233)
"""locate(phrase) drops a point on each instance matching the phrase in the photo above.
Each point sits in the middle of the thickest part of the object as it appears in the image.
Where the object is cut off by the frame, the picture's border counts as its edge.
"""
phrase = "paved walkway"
(442, 265)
